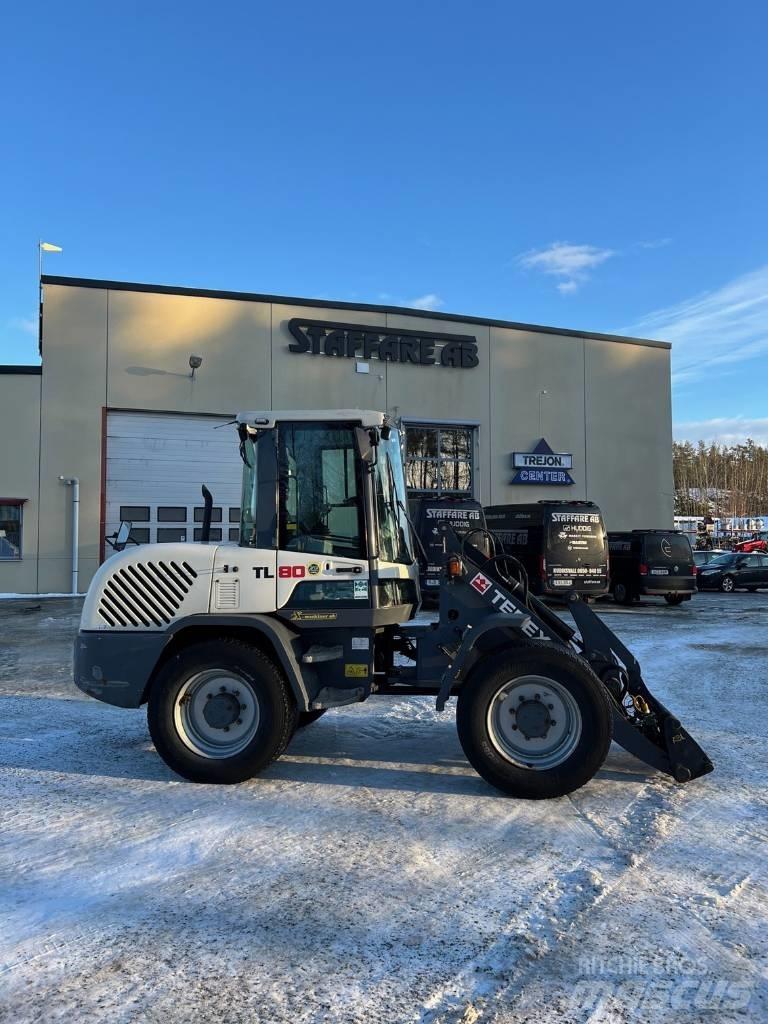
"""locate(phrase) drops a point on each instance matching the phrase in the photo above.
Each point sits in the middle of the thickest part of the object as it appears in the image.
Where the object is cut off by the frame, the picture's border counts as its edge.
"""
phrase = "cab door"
(322, 556)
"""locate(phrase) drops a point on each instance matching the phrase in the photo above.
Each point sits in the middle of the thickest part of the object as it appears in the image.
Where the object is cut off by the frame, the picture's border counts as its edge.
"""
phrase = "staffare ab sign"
(542, 466)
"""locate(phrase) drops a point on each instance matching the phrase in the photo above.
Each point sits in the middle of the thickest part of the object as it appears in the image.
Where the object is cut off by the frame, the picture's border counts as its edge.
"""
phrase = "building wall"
(607, 402)
(19, 467)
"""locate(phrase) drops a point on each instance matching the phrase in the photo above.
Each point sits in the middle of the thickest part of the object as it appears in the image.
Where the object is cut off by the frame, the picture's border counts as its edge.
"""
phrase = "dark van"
(651, 562)
(427, 514)
(562, 544)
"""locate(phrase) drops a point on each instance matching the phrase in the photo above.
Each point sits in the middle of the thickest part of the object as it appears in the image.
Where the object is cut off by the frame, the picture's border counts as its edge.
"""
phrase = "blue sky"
(598, 165)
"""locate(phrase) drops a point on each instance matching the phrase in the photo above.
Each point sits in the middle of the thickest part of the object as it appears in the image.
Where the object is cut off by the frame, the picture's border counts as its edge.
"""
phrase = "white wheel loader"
(232, 647)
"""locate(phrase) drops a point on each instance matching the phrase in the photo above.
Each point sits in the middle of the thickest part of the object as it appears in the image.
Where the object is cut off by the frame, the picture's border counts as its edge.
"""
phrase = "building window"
(171, 534)
(439, 460)
(171, 514)
(10, 528)
(215, 514)
(215, 534)
(134, 513)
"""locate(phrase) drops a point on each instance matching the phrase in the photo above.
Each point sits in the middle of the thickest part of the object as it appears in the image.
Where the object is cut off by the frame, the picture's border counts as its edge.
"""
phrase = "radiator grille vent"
(146, 593)
(228, 593)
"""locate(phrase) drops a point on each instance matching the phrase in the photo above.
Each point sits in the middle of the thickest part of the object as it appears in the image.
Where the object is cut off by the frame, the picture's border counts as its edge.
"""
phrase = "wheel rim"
(534, 722)
(620, 593)
(216, 713)
(728, 584)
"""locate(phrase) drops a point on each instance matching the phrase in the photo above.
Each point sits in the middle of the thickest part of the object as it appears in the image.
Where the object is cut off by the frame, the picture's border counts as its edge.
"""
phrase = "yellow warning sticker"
(356, 671)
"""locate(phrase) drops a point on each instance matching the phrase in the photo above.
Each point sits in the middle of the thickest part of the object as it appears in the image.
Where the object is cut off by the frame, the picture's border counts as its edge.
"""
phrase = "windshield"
(394, 531)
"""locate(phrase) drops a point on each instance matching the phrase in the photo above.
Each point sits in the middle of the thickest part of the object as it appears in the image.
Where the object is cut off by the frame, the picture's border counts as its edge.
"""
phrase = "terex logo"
(503, 604)
(480, 583)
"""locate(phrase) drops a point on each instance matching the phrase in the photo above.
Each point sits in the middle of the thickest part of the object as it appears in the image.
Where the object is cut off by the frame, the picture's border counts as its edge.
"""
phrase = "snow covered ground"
(370, 876)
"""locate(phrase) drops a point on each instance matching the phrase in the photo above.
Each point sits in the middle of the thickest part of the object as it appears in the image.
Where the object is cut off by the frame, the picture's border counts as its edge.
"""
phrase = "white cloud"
(428, 301)
(570, 262)
(716, 328)
(724, 430)
(26, 324)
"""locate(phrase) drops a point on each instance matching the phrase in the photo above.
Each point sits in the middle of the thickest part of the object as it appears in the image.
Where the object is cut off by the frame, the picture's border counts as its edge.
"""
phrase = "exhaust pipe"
(205, 532)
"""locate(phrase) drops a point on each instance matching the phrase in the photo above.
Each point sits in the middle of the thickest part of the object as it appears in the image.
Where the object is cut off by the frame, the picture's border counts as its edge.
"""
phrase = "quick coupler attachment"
(655, 736)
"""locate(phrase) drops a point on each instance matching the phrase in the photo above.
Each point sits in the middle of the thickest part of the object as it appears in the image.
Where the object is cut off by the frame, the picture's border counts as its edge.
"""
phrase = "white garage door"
(156, 465)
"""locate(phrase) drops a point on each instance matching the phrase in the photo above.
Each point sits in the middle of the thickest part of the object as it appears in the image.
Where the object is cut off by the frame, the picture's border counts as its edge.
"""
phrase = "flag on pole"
(50, 247)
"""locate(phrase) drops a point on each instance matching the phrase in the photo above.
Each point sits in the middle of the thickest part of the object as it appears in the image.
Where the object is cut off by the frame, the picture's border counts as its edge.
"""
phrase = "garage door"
(155, 467)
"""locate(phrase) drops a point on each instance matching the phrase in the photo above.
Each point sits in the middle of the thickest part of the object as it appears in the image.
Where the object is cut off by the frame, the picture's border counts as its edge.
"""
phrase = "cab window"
(320, 505)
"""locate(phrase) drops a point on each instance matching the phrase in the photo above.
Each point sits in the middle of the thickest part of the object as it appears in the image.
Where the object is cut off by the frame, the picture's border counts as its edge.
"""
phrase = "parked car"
(734, 571)
(658, 562)
(704, 557)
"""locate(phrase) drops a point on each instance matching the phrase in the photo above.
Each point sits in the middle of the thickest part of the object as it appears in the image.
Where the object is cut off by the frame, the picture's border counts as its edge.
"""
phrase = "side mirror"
(366, 445)
(122, 536)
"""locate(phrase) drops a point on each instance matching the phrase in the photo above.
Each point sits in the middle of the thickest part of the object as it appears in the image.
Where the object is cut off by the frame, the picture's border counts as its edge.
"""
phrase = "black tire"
(305, 718)
(475, 709)
(674, 598)
(272, 722)
(728, 584)
(622, 594)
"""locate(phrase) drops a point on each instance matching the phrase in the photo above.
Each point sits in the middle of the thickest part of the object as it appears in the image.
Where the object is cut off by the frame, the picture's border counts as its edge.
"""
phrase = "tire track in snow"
(557, 914)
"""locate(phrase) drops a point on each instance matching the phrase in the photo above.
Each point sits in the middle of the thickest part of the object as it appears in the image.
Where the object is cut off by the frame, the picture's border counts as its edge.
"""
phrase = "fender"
(462, 659)
(282, 639)
(117, 666)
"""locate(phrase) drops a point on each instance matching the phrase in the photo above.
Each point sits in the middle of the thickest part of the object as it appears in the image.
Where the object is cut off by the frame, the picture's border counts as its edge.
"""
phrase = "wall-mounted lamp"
(195, 363)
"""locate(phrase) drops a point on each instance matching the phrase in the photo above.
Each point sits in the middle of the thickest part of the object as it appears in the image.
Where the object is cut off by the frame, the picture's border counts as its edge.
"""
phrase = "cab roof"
(268, 418)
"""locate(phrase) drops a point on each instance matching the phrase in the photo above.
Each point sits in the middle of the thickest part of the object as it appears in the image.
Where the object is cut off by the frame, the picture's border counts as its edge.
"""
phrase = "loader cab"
(326, 496)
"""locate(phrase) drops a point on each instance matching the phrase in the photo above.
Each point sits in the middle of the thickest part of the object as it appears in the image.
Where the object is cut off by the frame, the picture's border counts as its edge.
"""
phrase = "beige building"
(118, 407)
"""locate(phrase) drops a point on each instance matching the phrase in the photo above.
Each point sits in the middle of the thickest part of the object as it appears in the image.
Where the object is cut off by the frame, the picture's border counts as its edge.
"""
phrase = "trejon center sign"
(542, 466)
(360, 341)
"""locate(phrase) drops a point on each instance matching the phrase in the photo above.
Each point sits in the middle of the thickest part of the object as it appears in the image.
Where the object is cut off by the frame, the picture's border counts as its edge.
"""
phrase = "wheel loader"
(233, 647)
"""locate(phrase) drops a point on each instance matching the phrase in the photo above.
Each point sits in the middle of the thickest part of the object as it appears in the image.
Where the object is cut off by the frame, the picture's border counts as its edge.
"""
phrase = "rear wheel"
(728, 584)
(622, 593)
(674, 598)
(535, 723)
(220, 711)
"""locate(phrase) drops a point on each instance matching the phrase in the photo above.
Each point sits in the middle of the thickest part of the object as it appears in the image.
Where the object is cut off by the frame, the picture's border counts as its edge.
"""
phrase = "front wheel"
(535, 723)
(728, 585)
(220, 711)
(674, 598)
(622, 594)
